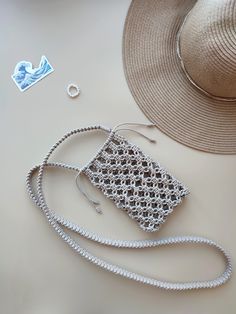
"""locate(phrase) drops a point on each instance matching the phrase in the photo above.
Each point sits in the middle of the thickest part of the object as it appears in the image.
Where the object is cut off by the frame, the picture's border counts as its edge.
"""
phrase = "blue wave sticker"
(26, 76)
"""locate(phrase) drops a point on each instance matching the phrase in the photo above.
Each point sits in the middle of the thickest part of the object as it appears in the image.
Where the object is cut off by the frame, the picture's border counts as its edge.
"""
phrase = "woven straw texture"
(161, 88)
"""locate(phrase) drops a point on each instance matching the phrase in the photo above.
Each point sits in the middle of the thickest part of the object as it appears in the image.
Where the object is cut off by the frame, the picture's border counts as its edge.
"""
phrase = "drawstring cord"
(94, 202)
(139, 133)
(148, 125)
(116, 129)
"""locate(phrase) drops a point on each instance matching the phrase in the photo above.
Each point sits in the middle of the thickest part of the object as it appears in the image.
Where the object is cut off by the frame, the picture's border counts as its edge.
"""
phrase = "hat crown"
(208, 47)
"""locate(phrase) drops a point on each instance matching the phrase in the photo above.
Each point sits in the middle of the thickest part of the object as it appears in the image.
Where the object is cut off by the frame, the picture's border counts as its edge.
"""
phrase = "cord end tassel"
(96, 205)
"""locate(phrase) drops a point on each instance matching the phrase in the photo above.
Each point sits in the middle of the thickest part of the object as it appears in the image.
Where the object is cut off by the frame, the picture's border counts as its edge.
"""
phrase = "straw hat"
(180, 64)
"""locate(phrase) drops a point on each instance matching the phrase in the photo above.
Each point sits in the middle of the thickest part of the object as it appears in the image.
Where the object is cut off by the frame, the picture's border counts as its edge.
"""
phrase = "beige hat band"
(225, 58)
(190, 78)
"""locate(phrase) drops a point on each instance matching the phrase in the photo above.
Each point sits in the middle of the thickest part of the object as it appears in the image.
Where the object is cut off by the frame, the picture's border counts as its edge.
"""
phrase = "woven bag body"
(136, 183)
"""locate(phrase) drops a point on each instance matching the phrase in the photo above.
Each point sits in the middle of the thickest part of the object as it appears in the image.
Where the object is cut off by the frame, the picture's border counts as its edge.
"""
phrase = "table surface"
(39, 273)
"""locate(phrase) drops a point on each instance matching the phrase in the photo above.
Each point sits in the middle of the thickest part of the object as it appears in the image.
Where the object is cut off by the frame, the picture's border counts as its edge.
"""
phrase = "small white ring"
(73, 90)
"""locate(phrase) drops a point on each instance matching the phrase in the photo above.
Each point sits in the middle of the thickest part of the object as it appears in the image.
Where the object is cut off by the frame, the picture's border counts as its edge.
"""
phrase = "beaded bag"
(137, 185)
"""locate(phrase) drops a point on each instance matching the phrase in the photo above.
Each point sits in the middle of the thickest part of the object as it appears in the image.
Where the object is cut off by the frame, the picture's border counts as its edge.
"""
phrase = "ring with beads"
(73, 90)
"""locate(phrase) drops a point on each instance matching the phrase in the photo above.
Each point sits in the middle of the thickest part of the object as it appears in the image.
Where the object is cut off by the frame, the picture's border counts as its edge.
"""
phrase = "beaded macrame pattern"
(137, 184)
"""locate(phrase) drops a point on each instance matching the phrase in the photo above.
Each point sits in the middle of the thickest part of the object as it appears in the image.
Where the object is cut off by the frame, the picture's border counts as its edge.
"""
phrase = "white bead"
(73, 90)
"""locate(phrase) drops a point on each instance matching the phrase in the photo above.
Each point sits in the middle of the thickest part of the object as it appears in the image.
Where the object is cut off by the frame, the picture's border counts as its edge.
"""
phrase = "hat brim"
(159, 85)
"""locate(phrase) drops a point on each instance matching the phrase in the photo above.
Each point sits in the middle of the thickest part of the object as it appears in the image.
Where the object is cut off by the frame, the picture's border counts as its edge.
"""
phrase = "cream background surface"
(39, 274)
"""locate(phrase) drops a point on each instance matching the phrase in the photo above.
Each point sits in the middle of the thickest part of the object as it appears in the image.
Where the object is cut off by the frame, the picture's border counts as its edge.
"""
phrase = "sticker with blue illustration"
(25, 75)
